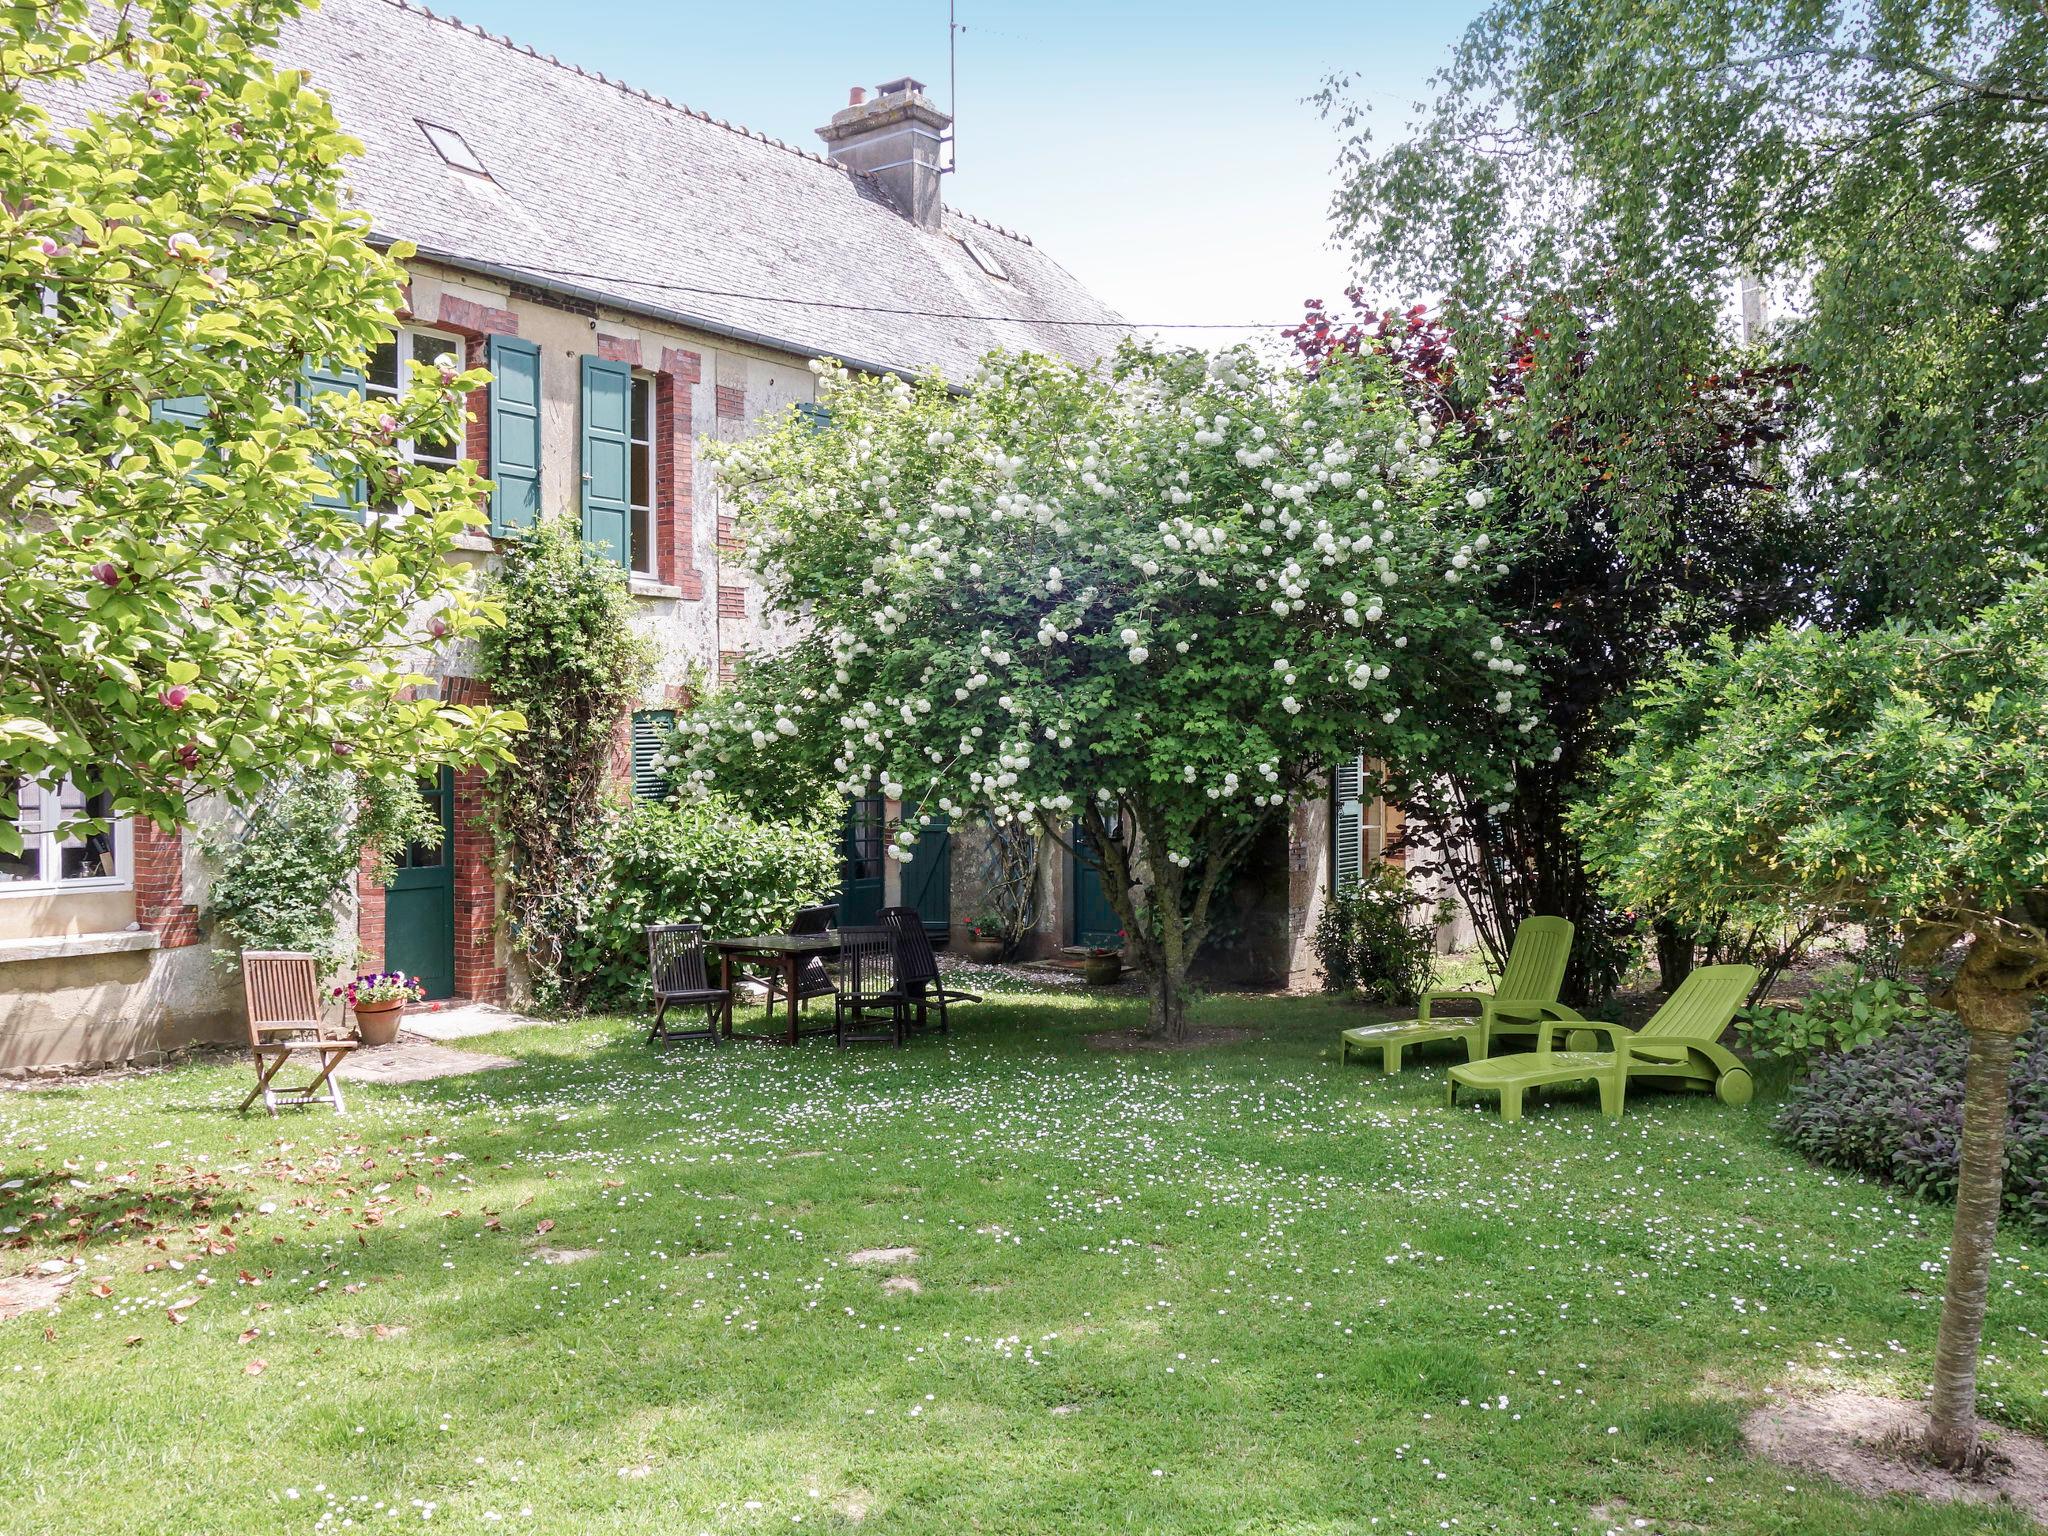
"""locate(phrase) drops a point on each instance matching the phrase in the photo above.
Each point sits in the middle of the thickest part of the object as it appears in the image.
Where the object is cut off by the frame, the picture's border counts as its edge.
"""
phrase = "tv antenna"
(953, 31)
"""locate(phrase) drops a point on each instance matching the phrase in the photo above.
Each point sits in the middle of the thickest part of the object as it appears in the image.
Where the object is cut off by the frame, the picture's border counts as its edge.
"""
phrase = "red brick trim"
(160, 904)
(478, 973)
(732, 402)
(620, 349)
(679, 696)
(675, 482)
(732, 602)
(687, 367)
(729, 533)
(728, 666)
(473, 319)
(370, 915)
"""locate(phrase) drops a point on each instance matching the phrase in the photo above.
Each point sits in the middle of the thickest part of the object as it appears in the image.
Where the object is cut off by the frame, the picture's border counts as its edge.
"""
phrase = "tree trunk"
(1166, 1012)
(1995, 1020)
(1674, 954)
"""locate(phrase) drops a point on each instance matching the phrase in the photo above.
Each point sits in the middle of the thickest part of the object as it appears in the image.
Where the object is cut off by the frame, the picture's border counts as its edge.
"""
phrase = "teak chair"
(917, 968)
(1679, 1047)
(811, 979)
(867, 985)
(675, 968)
(1527, 994)
(281, 992)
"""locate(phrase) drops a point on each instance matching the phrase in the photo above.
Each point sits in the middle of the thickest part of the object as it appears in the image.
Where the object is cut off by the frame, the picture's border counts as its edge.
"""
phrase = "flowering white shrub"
(1155, 601)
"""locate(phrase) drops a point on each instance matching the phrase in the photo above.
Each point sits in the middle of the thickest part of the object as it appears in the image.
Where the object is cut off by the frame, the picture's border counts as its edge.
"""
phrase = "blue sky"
(1163, 153)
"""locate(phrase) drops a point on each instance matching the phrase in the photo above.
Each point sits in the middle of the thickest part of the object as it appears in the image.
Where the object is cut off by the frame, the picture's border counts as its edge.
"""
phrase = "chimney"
(895, 138)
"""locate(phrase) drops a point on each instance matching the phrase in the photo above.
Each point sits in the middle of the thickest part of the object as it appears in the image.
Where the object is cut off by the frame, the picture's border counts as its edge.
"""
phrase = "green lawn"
(1236, 1290)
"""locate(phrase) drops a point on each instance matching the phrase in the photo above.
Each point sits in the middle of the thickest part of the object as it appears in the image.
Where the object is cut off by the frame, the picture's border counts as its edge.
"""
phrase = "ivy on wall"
(567, 657)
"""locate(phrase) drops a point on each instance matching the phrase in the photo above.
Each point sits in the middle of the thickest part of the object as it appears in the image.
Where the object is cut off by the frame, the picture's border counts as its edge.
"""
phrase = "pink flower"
(437, 627)
(341, 748)
(174, 698)
(189, 755)
(388, 424)
(107, 574)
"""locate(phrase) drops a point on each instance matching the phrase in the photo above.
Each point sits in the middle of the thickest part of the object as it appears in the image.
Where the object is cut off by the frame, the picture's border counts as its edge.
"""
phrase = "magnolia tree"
(199, 591)
(1898, 776)
(1142, 609)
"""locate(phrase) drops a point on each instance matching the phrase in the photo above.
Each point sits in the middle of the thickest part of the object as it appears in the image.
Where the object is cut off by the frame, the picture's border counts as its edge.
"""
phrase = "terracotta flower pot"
(984, 951)
(377, 1023)
(1103, 970)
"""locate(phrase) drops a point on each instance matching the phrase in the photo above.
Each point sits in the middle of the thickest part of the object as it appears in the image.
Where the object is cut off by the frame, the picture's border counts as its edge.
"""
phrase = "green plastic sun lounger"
(1680, 1047)
(1528, 988)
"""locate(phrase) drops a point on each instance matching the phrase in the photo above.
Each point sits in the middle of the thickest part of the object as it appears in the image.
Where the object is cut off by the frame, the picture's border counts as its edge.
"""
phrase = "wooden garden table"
(787, 952)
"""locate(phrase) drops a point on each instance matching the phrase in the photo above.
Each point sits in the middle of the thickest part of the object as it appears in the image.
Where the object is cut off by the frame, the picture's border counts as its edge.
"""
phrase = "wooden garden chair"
(1679, 1047)
(676, 970)
(811, 978)
(1526, 995)
(867, 984)
(917, 967)
(287, 1020)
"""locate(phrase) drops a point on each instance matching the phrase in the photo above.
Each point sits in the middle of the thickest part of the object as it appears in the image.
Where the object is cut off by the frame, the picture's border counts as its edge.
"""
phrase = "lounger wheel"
(1735, 1087)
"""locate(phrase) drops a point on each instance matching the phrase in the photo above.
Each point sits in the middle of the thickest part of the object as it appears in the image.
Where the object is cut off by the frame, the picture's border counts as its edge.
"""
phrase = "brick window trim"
(160, 905)
(732, 602)
(676, 473)
(731, 400)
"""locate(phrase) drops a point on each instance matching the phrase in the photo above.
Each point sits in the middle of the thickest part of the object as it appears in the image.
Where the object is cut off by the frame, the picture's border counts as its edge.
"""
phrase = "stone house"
(638, 275)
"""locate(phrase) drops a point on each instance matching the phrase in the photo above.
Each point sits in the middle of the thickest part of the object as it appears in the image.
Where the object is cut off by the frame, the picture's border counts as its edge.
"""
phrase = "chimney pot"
(856, 96)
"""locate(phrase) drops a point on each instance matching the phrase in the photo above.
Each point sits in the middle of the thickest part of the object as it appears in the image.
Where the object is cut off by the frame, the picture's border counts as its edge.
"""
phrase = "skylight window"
(452, 147)
(985, 260)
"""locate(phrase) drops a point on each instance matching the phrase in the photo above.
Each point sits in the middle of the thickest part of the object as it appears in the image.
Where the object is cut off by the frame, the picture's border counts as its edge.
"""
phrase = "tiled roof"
(589, 176)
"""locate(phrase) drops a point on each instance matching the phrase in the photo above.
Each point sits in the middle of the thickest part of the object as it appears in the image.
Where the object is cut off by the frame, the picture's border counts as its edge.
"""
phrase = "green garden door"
(860, 863)
(928, 878)
(419, 909)
(1092, 921)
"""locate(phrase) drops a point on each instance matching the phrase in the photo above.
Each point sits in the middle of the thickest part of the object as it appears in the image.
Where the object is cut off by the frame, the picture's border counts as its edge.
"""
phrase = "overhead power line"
(613, 279)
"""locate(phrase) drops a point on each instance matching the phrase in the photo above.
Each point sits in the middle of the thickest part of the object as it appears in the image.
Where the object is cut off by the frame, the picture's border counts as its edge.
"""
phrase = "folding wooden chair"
(917, 968)
(281, 990)
(867, 985)
(811, 979)
(675, 967)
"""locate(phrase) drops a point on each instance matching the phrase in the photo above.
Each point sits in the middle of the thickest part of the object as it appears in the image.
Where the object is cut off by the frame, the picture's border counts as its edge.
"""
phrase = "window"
(387, 377)
(985, 259)
(71, 860)
(452, 147)
(640, 492)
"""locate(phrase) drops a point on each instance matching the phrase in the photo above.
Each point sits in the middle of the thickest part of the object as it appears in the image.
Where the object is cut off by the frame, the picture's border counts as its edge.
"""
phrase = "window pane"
(441, 453)
(643, 541)
(431, 349)
(642, 492)
(643, 410)
(85, 855)
(382, 375)
(27, 865)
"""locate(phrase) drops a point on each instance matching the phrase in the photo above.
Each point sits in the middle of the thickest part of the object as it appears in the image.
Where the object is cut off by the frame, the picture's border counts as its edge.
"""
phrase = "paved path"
(466, 1019)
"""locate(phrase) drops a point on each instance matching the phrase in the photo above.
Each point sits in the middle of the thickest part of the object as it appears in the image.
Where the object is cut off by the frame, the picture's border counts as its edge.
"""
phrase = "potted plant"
(378, 999)
(985, 940)
(1103, 966)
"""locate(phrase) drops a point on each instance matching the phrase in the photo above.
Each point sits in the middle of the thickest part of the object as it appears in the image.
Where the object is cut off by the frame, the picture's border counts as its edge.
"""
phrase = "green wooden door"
(860, 863)
(1091, 919)
(419, 909)
(928, 878)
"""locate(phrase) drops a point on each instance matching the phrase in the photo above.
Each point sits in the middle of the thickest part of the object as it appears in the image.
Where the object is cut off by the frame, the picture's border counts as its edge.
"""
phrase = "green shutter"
(1347, 823)
(515, 434)
(819, 416)
(607, 455)
(318, 380)
(186, 410)
(650, 730)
